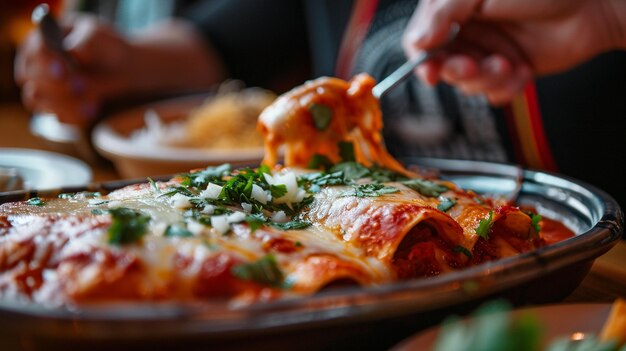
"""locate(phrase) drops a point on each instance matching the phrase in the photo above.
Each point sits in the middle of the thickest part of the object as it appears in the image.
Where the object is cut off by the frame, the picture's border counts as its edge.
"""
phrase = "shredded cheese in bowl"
(225, 121)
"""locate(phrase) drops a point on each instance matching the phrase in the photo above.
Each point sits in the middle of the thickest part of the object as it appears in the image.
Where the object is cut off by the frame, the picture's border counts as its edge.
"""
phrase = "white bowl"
(111, 139)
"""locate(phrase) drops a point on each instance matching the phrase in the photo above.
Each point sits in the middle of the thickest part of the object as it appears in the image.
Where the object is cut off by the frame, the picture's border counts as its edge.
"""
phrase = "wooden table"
(605, 282)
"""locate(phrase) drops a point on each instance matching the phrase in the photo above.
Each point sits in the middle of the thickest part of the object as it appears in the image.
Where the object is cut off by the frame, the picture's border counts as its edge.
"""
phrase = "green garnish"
(278, 190)
(446, 204)
(255, 221)
(177, 230)
(322, 116)
(292, 225)
(35, 201)
(425, 187)
(484, 226)
(154, 186)
(463, 250)
(346, 151)
(319, 162)
(369, 190)
(534, 221)
(491, 329)
(171, 191)
(84, 194)
(128, 226)
(351, 171)
(202, 178)
(264, 271)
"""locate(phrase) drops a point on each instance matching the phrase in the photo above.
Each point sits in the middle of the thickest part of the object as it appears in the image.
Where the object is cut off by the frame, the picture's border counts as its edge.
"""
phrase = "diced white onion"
(289, 180)
(208, 209)
(179, 200)
(195, 228)
(247, 208)
(220, 224)
(236, 217)
(279, 217)
(259, 194)
(212, 191)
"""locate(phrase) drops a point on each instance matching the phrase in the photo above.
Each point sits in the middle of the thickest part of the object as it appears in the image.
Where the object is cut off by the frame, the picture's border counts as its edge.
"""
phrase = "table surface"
(605, 282)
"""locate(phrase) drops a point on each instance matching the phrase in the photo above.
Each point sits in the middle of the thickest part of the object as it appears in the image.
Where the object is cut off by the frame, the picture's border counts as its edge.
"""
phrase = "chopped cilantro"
(484, 226)
(154, 186)
(351, 171)
(264, 271)
(171, 191)
(370, 190)
(255, 221)
(534, 221)
(278, 190)
(322, 115)
(425, 187)
(463, 250)
(446, 204)
(298, 244)
(202, 178)
(84, 194)
(292, 225)
(128, 226)
(319, 162)
(35, 201)
(346, 151)
(178, 229)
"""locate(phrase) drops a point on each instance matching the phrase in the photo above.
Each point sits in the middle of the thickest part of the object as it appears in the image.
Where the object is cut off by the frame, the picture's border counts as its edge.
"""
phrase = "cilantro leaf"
(425, 187)
(446, 204)
(154, 186)
(346, 151)
(128, 226)
(319, 161)
(264, 271)
(255, 221)
(370, 190)
(202, 178)
(292, 225)
(35, 201)
(177, 230)
(484, 226)
(463, 250)
(322, 115)
(351, 171)
(278, 190)
(534, 221)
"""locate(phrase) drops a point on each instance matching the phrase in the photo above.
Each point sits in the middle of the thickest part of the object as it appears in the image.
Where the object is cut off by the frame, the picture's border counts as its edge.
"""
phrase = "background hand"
(74, 92)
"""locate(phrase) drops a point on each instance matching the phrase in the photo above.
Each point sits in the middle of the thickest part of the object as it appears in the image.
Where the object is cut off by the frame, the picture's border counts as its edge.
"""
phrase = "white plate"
(566, 320)
(44, 170)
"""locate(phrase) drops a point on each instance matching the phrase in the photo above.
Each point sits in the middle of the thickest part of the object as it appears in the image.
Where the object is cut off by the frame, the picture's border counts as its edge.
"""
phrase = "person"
(562, 122)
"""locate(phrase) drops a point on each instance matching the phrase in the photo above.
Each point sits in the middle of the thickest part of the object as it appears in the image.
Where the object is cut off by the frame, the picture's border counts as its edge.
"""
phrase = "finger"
(429, 72)
(460, 69)
(490, 39)
(505, 92)
(478, 76)
(93, 43)
(56, 98)
(430, 24)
